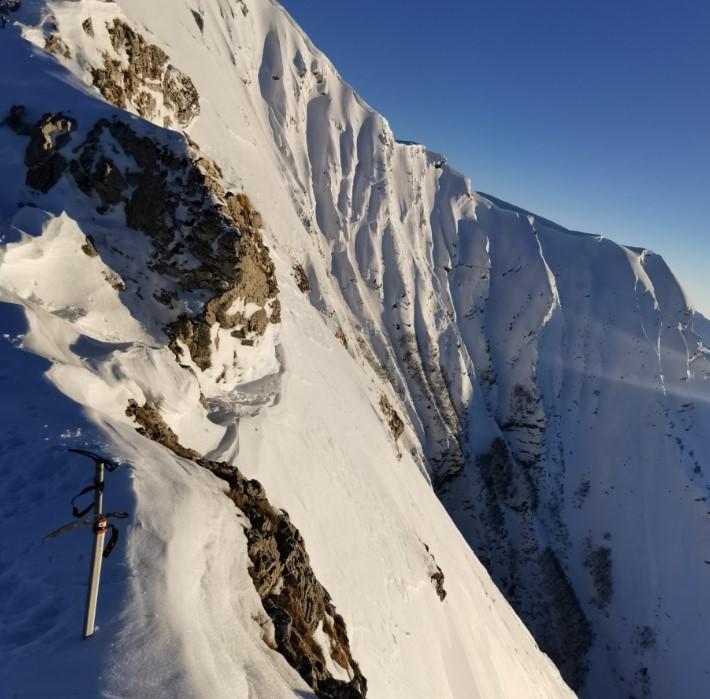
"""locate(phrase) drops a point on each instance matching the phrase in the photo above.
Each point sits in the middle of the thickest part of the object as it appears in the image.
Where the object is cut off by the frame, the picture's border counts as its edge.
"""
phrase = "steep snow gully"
(336, 372)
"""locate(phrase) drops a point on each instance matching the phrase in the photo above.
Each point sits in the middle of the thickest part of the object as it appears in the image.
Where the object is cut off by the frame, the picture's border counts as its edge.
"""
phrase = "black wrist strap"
(95, 488)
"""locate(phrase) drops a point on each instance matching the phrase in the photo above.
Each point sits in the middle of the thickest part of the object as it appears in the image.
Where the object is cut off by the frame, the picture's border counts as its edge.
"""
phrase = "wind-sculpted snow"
(494, 324)
(551, 386)
(114, 231)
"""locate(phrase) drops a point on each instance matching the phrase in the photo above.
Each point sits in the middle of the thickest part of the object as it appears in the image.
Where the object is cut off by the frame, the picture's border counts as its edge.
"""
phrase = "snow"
(437, 289)
(178, 614)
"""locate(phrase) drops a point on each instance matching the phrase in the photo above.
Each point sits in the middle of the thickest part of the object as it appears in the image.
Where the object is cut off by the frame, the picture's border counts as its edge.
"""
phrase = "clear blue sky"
(594, 114)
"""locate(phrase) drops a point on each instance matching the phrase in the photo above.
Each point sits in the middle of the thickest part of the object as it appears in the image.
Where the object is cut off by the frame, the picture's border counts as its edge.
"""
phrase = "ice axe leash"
(99, 522)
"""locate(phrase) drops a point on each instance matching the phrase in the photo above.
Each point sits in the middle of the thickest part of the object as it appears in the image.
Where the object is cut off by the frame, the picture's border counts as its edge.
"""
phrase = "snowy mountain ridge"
(417, 329)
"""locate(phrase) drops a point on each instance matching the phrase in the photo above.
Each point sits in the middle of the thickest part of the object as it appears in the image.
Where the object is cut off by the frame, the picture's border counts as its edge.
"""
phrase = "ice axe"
(99, 522)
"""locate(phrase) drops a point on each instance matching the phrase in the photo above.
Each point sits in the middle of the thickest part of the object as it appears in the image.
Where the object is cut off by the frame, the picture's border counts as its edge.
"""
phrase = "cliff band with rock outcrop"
(236, 279)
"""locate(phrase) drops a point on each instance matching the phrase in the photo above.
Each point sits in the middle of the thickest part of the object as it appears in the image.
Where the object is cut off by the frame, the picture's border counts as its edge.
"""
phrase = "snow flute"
(100, 526)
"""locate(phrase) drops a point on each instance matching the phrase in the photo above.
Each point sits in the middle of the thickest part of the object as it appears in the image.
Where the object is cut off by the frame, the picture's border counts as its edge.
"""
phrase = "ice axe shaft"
(92, 596)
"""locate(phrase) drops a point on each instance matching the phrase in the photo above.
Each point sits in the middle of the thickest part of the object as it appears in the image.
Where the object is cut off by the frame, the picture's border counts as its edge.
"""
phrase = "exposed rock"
(257, 322)
(138, 72)
(7, 6)
(340, 337)
(275, 311)
(430, 387)
(100, 175)
(88, 26)
(156, 429)
(146, 104)
(525, 427)
(645, 638)
(297, 604)
(109, 81)
(394, 421)
(16, 120)
(302, 282)
(438, 580)
(199, 21)
(89, 248)
(436, 575)
(215, 249)
(581, 493)
(48, 135)
(44, 162)
(55, 45)
(180, 93)
(526, 568)
(114, 280)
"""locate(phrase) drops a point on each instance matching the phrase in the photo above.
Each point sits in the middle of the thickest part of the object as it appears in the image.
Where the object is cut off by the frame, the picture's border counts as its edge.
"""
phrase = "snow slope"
(179, 615)
(552, 386)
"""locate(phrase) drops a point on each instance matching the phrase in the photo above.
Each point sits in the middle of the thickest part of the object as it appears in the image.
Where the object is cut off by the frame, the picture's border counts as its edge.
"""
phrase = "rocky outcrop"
(45, 164)
(206, 241)
(302, 282)
(506, 478)
(524, 427)
(138, 75)
(297, 604)
(199, 20)
(156, 429)
(436, 575)
(16, 120)
(341, 337)
(55, 45)
(394, 421)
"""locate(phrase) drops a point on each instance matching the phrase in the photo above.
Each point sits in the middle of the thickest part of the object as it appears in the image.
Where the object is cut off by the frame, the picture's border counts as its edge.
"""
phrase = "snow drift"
(288, 294)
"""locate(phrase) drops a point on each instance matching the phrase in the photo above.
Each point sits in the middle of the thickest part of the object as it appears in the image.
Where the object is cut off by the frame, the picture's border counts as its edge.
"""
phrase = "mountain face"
(335, 371)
